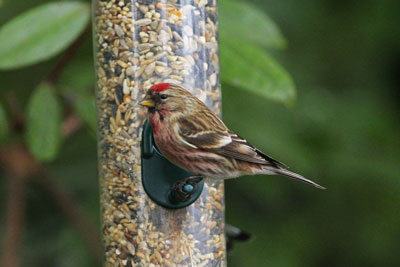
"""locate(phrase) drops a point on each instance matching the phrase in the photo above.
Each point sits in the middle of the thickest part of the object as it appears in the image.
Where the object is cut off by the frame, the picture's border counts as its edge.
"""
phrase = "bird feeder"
(139, 43)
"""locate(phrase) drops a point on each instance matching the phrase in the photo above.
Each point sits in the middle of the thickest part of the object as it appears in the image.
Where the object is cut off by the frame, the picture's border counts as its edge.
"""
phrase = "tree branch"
(13, 158)
(20, 166)
(74, 213)
(67, 56)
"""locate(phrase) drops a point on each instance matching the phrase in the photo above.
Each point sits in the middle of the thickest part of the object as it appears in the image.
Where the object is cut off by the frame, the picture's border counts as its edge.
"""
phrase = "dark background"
(342, 132)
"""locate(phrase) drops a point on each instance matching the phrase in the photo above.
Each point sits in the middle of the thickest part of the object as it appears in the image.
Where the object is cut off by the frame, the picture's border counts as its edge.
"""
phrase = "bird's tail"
(297, 177)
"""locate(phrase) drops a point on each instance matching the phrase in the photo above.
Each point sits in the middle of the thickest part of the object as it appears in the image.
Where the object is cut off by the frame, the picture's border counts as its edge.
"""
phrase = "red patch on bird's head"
(160, 87)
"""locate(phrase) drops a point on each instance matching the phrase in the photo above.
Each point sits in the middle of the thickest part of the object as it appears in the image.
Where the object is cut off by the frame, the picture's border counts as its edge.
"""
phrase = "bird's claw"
(182, 190)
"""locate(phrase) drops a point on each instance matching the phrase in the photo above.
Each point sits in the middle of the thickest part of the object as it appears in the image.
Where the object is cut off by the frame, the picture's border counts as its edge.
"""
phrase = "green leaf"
(44, 123)
(250, 67)
(3, 123)
(243, 21)
(86, 109)
(78, 75)
(41, 32)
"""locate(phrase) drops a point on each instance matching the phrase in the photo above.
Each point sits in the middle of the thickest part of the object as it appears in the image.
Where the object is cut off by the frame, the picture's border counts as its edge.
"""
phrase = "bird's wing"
(204, 131)
(208, 132)
(240, 149)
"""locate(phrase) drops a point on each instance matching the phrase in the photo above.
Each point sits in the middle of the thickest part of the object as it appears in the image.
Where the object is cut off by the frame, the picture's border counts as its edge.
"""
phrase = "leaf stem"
(67, 56)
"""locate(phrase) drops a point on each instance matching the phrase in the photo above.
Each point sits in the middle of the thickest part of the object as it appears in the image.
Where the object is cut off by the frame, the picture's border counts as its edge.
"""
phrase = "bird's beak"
(147, 103)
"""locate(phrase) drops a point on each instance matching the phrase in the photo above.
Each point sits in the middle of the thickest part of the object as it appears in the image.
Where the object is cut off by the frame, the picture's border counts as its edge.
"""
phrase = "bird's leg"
(182, 190)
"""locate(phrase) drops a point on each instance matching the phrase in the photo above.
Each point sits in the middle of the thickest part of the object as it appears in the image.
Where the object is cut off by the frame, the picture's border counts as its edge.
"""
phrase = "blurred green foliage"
(41, 33)
(43, 123)
(343, 130)
(3, 123)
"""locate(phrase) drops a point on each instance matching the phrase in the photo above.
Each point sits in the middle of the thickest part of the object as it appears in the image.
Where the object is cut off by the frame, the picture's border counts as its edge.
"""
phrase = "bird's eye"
(163, 96)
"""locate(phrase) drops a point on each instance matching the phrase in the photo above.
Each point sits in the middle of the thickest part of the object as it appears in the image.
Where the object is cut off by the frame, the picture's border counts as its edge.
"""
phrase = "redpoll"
(192, 137)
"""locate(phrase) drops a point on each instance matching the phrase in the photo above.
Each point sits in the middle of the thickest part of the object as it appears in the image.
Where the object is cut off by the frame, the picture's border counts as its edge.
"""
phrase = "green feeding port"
(159, 176)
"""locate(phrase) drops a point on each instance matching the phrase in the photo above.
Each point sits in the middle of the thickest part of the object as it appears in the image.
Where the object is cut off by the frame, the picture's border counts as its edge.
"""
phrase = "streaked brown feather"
(243, 150)
(208, 132)
(193, 125)
(206, 140)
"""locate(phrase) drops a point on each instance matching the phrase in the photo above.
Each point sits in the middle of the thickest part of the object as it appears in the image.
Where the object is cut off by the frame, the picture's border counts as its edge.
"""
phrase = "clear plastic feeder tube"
(138, 44)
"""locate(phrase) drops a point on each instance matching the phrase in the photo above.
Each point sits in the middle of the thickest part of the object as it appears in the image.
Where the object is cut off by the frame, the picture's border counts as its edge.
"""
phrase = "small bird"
(192, 137)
